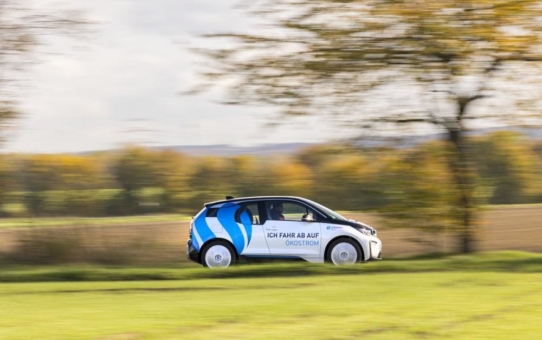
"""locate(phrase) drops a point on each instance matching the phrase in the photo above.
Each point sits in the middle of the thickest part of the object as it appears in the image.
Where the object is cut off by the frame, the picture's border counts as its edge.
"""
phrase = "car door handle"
(272, 228)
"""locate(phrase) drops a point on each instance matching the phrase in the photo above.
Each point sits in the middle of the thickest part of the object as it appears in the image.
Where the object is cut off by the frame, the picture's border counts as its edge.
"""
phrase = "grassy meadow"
(489, 295)
(453, 305)
(483, 296)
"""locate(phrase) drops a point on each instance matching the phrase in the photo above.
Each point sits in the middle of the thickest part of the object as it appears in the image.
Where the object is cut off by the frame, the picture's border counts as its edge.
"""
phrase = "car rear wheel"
(344, 252)
(218, 255)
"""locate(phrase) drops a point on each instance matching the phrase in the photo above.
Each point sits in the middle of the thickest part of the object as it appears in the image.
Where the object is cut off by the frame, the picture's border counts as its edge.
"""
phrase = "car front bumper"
(375, 247)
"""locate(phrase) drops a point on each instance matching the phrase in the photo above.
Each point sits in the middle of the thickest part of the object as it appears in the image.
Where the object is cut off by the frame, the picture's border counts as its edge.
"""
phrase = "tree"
(509, 167)
(135, 170)
(209, 180)
(288, 177)
(245, 176)
(418, 180)
(384, 64)
(6, 170)
(39, 175)
(64, 180)
(173, 171)
(22, 29)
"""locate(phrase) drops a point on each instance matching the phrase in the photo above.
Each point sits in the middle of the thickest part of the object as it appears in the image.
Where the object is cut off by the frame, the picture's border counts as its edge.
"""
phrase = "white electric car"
(278, 227)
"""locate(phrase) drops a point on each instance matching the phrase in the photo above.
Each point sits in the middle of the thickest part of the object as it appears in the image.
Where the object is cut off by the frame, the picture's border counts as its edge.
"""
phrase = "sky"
(121, 84)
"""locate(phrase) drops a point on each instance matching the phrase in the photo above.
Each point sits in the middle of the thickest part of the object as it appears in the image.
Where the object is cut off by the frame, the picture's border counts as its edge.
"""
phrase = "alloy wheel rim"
(344, 254)
(218, 257)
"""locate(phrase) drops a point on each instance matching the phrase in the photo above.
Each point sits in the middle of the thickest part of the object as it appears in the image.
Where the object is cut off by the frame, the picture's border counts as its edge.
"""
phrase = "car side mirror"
(308, 218)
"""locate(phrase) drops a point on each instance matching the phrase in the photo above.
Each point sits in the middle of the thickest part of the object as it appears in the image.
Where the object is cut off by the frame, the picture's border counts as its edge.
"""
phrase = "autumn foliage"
(412, 186)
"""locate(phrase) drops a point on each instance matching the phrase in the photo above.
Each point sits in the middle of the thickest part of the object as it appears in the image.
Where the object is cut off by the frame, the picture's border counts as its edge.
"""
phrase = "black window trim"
(261, 206)
(244, 205)
(211, 212)
(306, 205)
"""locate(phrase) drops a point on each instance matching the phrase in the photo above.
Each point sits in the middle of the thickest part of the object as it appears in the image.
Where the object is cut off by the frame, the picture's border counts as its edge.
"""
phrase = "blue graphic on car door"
(239, 233)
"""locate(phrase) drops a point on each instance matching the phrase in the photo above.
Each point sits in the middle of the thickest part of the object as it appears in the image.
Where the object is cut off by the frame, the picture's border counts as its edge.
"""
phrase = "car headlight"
(365, 231)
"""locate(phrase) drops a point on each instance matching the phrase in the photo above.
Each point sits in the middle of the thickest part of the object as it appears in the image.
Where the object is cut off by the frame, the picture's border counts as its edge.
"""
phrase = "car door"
(286, 232)
(249, 216)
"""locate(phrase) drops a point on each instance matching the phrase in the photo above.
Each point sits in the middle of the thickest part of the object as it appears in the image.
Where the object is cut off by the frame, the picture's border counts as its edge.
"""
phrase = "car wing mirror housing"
(308, 218)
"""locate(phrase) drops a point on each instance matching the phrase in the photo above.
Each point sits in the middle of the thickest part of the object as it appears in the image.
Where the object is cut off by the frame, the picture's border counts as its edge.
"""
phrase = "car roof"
(255, 198)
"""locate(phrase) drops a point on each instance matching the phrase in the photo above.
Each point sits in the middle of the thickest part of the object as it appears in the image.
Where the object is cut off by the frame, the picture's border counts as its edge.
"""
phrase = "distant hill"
(230, 150)
(224, 150)
(413, 140)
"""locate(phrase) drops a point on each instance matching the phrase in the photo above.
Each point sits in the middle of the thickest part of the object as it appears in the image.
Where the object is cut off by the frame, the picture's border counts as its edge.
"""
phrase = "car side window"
(251, 210)
(287, 211)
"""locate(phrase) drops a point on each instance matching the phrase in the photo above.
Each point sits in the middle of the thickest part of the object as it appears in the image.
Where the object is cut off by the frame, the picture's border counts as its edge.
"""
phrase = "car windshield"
(328, 211)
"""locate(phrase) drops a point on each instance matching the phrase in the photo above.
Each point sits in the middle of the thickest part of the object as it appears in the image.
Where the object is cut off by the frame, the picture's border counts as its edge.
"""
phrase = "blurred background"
(119, 119)
(127, 113)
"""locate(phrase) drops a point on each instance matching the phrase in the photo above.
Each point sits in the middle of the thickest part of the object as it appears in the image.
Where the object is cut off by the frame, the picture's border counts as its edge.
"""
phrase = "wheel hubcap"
(218, 256)
(344, 254)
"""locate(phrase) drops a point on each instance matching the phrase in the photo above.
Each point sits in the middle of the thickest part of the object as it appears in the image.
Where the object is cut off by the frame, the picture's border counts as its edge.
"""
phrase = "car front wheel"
(344, 252)
(218, 255)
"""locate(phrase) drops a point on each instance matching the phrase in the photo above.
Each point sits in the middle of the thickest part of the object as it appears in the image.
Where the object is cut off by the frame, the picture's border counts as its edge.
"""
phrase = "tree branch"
(405, 120)
(505, 4)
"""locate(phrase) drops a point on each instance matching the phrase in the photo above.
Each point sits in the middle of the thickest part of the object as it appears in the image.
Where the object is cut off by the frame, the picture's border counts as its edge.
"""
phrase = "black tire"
(344, 251)
(221, 255)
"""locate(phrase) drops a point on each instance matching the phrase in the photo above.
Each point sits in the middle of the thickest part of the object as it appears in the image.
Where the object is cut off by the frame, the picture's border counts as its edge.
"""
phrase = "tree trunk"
(462, 176)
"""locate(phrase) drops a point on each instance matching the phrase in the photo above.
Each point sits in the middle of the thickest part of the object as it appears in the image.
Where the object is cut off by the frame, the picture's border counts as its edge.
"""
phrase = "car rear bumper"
(191, 253)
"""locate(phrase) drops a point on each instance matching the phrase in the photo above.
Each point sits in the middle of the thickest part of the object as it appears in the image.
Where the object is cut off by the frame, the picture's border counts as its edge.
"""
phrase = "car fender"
(331, 232)
(215, 239)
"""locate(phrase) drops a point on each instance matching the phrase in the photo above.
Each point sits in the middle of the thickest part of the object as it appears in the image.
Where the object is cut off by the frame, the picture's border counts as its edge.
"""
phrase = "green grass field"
(484, 296)
(504, 262)
(378, 306)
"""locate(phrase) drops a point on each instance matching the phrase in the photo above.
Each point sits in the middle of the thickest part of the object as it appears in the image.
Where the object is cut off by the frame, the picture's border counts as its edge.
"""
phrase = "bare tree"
(384, 64)
(23, 27)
